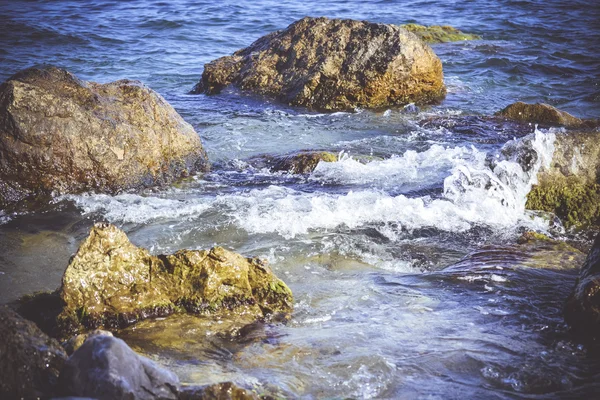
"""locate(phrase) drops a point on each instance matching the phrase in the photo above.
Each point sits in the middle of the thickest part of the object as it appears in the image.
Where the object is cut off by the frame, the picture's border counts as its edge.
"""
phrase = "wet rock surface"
(439, 34)
(569, 187)
(110, 283)
(59, 134)
(332, 64)
(104, 367)
(543, 114)
(30, 361)
(582, 311)
(303, 162)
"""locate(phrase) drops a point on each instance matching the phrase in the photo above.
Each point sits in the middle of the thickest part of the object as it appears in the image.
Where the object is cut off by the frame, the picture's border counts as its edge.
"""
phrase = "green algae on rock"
(439, 34)
(302, 162)
(332, 65)
(569, 188)
(30, 361)
(110, 283)
(59, 134)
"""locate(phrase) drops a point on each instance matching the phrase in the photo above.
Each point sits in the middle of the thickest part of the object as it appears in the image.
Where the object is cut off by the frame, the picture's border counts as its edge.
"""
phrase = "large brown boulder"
(582, 310)
(110, 283)
(59, 134)
(30, 361)
(332, 64)
(570, 187)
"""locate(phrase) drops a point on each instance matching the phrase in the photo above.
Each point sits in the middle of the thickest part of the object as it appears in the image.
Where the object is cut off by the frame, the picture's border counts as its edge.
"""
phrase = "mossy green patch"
(439, 34)
(575, 203)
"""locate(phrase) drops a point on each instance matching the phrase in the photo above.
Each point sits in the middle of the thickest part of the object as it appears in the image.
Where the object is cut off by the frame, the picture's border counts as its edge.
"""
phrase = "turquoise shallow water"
(387, 305)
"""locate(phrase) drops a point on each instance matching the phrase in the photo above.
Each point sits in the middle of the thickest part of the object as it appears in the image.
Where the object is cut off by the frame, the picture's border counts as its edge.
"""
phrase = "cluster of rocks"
(109, 284)
(101, 366)
(59, 135)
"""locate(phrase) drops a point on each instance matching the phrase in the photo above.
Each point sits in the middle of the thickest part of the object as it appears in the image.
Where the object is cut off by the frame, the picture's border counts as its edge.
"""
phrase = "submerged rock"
(303, 162)
(30, 361)
(569, 188)
(582, 311)
(543, 114)
(332, 64)
(110, 283)
(218, 391)
(104, 367)
(59, 134)
(439, 34)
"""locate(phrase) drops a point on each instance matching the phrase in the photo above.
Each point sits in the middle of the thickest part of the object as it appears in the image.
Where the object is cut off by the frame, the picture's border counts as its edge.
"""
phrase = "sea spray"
(479, 189)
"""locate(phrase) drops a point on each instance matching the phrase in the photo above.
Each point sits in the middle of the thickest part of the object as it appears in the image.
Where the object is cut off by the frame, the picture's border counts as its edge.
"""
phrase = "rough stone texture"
(439, 34)
(218, 391)
(332, 64)
(570, 186)
(104, 367)
(110, 283)
(582, 311)
(543, 114)
(59, 134)
(30, 361)
(302, 162)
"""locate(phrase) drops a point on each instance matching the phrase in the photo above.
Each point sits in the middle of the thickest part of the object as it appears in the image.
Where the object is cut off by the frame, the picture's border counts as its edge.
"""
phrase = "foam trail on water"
(478, 190)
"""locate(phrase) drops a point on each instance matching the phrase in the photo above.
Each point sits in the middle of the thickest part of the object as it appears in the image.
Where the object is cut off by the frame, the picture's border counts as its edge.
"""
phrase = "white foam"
(475, 193)
(134, 208)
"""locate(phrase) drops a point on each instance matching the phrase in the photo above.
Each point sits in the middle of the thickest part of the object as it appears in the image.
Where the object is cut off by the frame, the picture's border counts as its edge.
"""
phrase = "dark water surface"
(406, 273)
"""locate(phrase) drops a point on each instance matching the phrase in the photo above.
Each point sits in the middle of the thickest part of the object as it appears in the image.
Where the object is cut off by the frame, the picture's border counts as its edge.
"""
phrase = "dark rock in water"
(218, 391)
(439, 34)
(30, 361)
(59, 134)
(543, 114)
(582, 311)
(110, 283)
(332, 64)
(481, 129)
(570, 186)
(104, 367)
(303, 162)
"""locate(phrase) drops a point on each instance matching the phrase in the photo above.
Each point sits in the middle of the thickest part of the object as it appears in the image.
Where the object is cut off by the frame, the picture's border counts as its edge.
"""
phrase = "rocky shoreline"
(60, 135)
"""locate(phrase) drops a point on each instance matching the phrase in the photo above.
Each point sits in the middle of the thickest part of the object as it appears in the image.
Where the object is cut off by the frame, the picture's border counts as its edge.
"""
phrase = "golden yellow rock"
(332, 64)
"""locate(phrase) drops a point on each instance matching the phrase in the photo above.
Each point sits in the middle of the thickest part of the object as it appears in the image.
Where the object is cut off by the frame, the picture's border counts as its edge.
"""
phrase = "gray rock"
(104, 367)
(30, 361)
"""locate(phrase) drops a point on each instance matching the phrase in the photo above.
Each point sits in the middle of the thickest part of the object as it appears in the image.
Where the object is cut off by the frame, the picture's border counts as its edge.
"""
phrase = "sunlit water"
(402, 256)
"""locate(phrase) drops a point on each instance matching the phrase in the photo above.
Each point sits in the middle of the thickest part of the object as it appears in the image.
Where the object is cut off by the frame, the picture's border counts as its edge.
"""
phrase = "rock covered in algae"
(110, 283)
(30, 361)
(569, 187)
(439, 34)
(582, 310)
(104, 367)
(302, 162)
(332, 64)
(59, 134)
(542, 114)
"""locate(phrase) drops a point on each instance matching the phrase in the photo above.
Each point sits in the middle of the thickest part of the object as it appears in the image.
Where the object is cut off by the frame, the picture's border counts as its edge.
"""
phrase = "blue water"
(394, 296)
